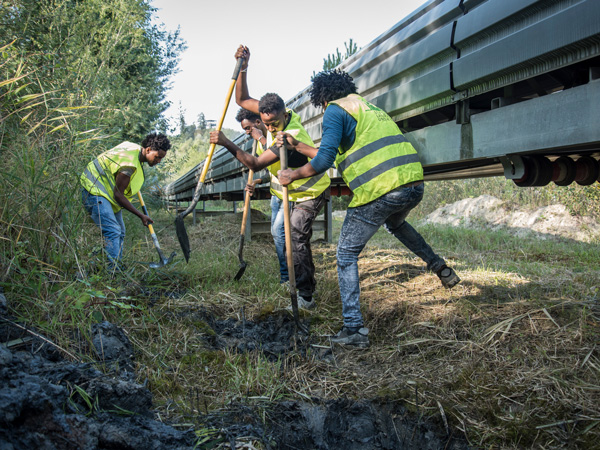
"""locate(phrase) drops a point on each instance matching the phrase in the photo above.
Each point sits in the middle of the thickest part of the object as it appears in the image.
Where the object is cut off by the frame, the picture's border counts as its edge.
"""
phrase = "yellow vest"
(381, 159)
(305, 188)
(99, 177)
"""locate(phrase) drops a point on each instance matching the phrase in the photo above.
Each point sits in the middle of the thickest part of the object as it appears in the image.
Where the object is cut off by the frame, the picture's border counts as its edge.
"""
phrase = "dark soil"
(331, 425)
(49, 402)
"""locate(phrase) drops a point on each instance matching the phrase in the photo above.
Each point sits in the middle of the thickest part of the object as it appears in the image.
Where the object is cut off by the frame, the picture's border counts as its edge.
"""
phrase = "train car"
(479, 87)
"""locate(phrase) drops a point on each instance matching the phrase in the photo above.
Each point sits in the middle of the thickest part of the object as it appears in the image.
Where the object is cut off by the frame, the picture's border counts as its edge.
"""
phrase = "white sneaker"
(303, 304)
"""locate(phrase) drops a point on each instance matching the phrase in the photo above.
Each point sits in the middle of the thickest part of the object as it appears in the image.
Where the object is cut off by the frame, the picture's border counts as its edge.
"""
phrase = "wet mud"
(274, 335)
(334, 424)
(49, 402)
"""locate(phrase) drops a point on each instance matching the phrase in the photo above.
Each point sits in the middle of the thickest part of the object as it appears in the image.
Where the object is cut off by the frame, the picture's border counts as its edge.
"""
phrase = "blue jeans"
(278, 233)
(111, 224)
(360, 225)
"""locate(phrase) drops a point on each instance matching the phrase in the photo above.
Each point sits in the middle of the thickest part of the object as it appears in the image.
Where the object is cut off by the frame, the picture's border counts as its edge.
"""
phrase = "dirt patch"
(50, 402)
(488, 212)
(325, 425)
(315, 423)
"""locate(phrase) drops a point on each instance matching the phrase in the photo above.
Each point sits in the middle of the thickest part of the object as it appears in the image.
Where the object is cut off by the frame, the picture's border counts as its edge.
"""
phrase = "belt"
(411, 184)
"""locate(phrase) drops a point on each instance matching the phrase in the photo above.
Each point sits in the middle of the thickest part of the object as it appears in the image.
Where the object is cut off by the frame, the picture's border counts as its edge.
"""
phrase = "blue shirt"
(339, 130)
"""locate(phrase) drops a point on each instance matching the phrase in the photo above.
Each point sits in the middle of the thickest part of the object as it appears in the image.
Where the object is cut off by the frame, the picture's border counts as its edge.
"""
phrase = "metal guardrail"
(473, 84)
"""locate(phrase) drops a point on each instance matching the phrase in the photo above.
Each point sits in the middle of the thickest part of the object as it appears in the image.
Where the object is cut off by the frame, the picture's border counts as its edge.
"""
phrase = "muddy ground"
(49, 401)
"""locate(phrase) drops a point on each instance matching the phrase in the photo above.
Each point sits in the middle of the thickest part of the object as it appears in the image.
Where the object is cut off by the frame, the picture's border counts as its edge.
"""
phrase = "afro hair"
(156, 142)
(330, 85)
(271, 104)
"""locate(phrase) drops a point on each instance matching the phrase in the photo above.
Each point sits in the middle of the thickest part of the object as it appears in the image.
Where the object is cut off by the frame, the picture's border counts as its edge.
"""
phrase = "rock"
(488, 212)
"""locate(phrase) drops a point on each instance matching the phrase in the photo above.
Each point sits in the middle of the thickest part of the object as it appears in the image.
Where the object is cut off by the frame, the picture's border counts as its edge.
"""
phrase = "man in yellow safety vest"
(308, 194)
(386, 178)
(111, 180)
(254, 127)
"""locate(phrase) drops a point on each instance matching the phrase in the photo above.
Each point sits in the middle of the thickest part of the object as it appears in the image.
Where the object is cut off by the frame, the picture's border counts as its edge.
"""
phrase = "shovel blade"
(241, 271)
(182, 236)
(163, 262)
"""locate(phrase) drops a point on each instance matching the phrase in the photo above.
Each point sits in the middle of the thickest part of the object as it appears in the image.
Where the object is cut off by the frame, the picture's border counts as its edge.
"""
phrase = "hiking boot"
(352, 337)
(448, 277)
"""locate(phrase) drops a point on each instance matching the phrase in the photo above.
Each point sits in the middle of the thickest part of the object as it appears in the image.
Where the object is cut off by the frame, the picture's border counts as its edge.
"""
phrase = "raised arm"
(242, 95)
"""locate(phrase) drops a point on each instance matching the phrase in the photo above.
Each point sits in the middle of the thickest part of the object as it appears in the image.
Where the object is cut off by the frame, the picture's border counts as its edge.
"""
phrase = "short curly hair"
(330, 85)
(244, 114)
(156, 142)
(271, 104)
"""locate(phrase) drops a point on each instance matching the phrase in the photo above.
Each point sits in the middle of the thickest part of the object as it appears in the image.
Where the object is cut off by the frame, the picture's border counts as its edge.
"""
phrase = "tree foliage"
(334, 60)
(103, 57)
(76, 78)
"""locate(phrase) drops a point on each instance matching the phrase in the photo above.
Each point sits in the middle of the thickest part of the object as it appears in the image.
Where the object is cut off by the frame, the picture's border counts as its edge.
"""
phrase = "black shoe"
(448, 277)
(352, 337)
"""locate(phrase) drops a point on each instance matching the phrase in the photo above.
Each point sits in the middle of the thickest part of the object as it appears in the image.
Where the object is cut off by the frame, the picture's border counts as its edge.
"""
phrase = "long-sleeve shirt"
(339, 131)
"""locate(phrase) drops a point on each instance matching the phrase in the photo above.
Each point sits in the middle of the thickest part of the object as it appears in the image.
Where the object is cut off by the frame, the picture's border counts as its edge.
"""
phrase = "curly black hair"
(247, 115)
(156, 142)
(330, 85)
(271, 104)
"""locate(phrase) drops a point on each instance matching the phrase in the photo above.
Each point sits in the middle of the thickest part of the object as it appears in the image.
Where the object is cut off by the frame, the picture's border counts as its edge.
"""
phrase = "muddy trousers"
(302, 217)
(360, 224)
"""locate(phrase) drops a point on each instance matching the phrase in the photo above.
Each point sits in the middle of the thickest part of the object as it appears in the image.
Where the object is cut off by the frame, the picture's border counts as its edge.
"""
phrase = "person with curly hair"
(383, 171)
(111, 180)
(254, 127)
(307, 195)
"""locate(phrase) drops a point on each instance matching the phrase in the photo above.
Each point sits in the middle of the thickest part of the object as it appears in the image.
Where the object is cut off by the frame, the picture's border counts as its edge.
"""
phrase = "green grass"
(524, 319)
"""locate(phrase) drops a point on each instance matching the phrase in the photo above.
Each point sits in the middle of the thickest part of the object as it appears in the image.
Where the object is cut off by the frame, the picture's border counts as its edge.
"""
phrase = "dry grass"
(511, 359)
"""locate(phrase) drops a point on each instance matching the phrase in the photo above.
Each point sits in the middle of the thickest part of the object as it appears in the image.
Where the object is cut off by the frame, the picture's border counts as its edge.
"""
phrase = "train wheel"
(538, 171)
(564, 171)
(587, 170)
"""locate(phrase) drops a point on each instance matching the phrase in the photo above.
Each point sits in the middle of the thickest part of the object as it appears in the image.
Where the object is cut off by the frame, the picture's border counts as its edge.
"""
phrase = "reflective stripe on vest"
(98, 176)
(380, 159)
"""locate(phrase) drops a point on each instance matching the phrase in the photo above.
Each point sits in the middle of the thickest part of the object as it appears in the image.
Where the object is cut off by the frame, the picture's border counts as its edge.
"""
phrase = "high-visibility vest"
(305, 188)
(99, 177)
(381, 159)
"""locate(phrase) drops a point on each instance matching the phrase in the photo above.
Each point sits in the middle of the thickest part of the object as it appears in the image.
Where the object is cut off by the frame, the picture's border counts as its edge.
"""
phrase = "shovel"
(163, 261)
(288, 242)
(243, 263)
(182, 235)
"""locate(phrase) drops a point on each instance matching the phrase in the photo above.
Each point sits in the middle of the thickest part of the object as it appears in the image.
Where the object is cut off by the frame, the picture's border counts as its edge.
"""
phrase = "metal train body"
(479, 87)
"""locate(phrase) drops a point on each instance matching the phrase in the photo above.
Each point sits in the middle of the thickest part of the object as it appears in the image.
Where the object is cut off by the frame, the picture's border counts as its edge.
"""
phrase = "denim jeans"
(278, 233)
(111, 224)
(360, 225)
(302, 217)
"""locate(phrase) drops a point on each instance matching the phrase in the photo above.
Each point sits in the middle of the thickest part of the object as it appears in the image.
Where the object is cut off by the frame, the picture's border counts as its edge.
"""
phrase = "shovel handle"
(151, 228)
(247, 197)
(211, 149)
(288, 239)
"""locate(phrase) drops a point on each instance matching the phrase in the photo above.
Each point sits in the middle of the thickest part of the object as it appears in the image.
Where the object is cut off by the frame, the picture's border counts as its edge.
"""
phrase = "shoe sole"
(352, 344)
(451, 283)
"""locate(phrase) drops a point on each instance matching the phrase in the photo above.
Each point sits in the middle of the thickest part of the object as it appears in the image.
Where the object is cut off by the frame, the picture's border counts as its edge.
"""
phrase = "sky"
(287, 44)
